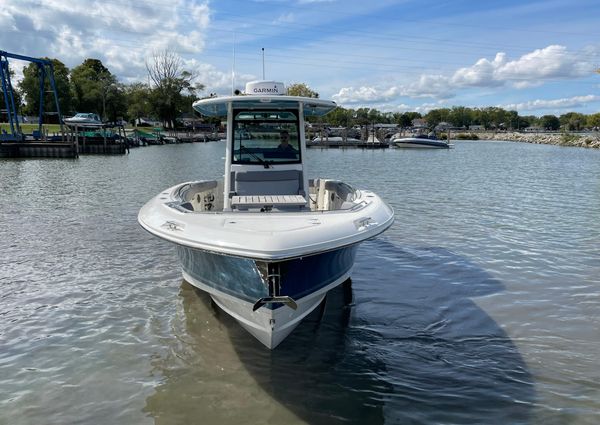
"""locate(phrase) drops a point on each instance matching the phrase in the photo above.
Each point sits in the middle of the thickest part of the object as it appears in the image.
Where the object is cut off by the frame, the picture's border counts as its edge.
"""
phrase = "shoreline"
(587, 140)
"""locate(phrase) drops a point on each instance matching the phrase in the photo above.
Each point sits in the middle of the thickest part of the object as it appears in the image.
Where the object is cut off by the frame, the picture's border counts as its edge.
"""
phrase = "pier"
(340, 144)
(38, 150)
(347, 138)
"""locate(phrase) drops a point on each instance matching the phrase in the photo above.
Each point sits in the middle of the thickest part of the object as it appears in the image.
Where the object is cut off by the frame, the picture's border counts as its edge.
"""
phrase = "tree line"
(171, 90)
(91, 87)
(464, 117)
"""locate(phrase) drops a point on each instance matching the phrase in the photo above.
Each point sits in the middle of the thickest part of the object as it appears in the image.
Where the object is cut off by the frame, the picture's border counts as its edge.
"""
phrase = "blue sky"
(537, 57)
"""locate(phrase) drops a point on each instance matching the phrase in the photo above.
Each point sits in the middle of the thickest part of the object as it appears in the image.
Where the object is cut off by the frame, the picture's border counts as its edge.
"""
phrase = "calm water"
(480, 305)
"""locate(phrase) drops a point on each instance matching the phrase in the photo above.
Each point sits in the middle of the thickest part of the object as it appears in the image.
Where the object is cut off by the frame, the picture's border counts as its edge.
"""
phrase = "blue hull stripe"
(240, 277)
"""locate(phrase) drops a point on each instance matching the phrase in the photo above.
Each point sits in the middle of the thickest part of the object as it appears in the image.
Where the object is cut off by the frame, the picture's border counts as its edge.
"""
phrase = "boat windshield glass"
(262, 137)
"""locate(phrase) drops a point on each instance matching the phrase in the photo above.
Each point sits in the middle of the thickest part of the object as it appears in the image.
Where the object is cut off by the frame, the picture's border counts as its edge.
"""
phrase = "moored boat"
(266, 242)
(420, 141)
(84, 120)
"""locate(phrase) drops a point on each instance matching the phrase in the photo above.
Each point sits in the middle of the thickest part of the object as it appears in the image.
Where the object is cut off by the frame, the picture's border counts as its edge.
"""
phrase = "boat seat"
(277, 188)
(278, 182)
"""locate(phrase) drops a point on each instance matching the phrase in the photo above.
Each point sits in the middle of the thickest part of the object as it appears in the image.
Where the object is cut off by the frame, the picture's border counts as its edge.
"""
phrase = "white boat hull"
(420, 143)
(270, 327)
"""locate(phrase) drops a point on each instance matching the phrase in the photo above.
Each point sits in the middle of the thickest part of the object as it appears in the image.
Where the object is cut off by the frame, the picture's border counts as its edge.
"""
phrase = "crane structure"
(45, 69)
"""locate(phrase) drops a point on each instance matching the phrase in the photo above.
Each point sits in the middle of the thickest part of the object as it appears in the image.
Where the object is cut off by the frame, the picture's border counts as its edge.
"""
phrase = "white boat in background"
(83, 120)
(266, 242)
(419, 141)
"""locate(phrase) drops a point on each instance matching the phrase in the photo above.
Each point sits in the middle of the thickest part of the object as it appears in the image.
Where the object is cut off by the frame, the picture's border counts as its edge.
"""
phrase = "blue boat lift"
(45, 69)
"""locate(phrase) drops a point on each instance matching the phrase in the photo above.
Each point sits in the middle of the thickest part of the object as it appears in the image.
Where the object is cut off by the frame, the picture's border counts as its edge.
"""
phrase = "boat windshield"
(263, 137)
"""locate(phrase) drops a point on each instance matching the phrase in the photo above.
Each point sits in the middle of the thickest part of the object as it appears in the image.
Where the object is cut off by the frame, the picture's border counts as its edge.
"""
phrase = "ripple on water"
(479, 305)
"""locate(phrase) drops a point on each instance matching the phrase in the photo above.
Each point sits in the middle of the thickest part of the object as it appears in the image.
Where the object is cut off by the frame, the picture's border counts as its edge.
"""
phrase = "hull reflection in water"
(236, 283)
(217, 372)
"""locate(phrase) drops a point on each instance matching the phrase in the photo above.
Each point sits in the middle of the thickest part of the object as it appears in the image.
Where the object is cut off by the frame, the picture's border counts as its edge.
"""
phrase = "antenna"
(263, 55)
(233, 68)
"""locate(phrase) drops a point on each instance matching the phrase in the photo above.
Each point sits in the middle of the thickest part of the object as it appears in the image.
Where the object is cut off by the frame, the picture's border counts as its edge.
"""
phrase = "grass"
(28, 128)
(55, 128)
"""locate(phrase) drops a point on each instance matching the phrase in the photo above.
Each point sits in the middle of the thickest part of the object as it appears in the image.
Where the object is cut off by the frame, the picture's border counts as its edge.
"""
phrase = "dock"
(38, 150)
(341, 144)
(346, 138)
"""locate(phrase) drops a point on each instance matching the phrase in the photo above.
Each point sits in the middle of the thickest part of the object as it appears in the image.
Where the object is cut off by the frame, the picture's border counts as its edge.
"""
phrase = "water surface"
(480, 305)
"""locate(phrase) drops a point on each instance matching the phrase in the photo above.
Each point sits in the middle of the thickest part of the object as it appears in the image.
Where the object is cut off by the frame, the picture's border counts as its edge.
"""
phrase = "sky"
(536, 57)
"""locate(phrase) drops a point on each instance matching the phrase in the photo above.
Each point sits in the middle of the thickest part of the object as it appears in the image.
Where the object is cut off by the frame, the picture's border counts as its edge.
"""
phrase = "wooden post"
(77, 141)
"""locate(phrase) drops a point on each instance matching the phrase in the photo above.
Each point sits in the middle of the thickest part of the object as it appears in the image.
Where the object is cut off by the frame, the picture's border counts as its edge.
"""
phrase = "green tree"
(572, 121)
(513, 120)
(137, 96)
(593, 120)
(362, 116)
(374, 116)
(529, 121)
(436, 116)
(170, 84)
(482, 117)
(460, 116)
(340, 117)
(411, 116)
(494, 117)
(401, 119)
(301, 89)
(549, 122)
(93, 87)
(114, 102)
(30, 89)
(387, 117)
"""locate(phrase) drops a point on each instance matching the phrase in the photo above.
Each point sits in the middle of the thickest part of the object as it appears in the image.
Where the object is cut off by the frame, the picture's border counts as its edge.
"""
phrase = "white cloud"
(425, 86)
(360, 94)
(428, 85)
(215, 80)
(551, 62)
(422, 108)
(200, 15)
(567, 102)
(120, 35)
(531, 69)
(482, 74)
